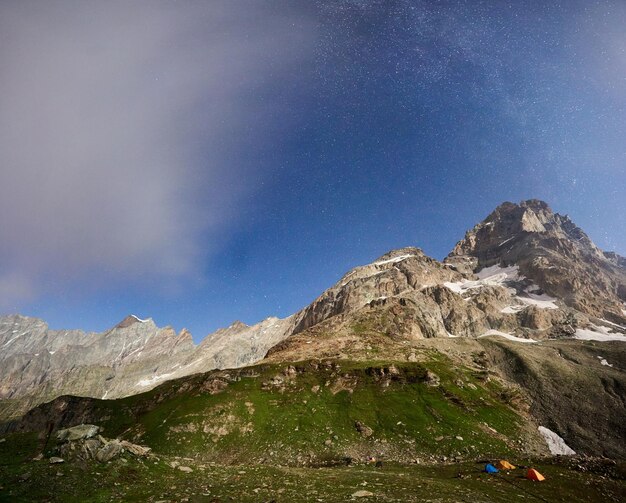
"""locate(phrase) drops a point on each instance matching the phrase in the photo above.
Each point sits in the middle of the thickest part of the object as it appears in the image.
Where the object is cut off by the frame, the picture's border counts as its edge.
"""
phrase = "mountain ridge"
(513, 250)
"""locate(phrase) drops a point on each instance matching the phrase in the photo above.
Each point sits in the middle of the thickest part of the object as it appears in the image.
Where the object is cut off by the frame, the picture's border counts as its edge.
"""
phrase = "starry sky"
(203, 162)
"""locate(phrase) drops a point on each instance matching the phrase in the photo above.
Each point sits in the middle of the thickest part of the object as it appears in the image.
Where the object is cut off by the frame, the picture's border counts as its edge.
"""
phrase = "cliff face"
(553, 252)
(38, 364)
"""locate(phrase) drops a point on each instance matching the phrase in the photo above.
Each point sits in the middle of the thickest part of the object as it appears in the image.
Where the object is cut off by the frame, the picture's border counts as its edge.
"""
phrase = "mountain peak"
(130, 320)
(509, 223)
(551, 251)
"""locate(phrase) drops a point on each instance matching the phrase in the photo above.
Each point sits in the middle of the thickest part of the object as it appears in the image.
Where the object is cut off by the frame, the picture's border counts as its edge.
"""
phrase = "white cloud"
(119, 132)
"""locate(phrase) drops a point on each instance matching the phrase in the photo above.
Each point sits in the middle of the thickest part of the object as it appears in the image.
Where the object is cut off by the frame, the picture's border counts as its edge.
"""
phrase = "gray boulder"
(80, 432)
(109, 451)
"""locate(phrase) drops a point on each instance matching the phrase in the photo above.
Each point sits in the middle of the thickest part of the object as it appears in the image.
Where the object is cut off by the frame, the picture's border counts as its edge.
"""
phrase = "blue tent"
(489, 468)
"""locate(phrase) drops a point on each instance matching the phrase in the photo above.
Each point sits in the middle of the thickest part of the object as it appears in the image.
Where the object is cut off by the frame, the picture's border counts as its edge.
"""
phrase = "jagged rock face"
(38, 364)
(398, 271)
(240, 344)
(553, 252)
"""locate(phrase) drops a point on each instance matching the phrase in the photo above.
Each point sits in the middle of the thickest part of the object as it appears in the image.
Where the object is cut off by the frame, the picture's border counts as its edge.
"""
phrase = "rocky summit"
(514, 346)
(553, 252)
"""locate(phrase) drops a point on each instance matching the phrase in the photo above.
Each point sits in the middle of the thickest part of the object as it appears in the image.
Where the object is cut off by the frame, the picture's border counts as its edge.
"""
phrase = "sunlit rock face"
(553, 252)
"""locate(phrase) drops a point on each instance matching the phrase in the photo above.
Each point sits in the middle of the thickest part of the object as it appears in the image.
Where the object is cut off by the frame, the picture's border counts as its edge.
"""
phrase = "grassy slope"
(268, 417)
(263, 414)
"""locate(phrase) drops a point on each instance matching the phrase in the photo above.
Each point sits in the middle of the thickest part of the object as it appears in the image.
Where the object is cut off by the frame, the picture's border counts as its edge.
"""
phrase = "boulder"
(136, 450)
(80, 432)
(363, 429)
(362, 494)
(109, 451)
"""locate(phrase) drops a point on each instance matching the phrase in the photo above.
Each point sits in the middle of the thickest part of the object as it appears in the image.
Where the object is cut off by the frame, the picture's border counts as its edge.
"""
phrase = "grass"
(154, 480)
(265, 414)
(283, 432)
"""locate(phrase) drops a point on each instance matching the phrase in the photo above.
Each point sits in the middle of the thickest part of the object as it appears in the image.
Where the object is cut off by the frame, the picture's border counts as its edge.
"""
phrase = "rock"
(363, 429)
(290, 371)
(136, 450)
(109, 451)
(185, 469)
(431, 379)
(362, 494)
(315, 389)
(38, 457)
(90, 448)
(328, 442)
(56, 460)
(80, 432)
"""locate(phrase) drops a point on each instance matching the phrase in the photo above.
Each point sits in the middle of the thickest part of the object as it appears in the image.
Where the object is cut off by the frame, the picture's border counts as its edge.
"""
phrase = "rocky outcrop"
(399, 271)
(553, 252)
(82, 442)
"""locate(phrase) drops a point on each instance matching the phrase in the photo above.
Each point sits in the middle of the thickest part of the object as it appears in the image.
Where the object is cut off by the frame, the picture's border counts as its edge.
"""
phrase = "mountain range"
(524, 274)
(511, 347)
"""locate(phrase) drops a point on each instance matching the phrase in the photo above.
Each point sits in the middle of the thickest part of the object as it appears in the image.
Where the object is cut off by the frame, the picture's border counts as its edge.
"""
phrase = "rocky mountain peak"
(511, 223)
(550, 250)
(130, 320)
(237, 325)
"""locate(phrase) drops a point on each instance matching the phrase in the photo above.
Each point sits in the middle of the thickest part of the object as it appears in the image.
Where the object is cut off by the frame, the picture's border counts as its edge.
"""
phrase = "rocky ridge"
(524, 273)
(553, 252)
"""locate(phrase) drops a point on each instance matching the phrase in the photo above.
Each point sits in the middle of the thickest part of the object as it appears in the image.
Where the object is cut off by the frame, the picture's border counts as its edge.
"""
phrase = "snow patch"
(597, 334)
(489, 276)
(604, 362)
(512, 309)
(556, 444)
(497, 274)
(503, 276)
(153, 380)
(140, 349)
(393, 260)
(455, 287)
(10, 341)
(506, 336)
(611, 323)
(140, 320)
(542, 301)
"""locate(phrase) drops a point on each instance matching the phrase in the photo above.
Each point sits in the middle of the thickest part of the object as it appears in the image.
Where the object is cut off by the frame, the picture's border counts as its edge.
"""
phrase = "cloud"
(124, 131)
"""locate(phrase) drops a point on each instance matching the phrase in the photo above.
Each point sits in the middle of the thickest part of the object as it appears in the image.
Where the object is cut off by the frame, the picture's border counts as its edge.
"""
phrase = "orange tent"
(533, 474)
(504, 465)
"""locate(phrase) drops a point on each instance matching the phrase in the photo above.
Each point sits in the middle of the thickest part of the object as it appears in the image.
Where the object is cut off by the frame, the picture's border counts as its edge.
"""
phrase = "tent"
(533, 474)
(489, 468)
(504, 465)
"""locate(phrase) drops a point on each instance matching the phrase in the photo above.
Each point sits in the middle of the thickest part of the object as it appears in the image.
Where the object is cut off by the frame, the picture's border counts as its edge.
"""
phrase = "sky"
(200, 162)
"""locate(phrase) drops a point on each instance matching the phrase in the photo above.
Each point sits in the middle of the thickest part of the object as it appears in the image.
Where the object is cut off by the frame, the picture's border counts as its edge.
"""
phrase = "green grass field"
(285, 433)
